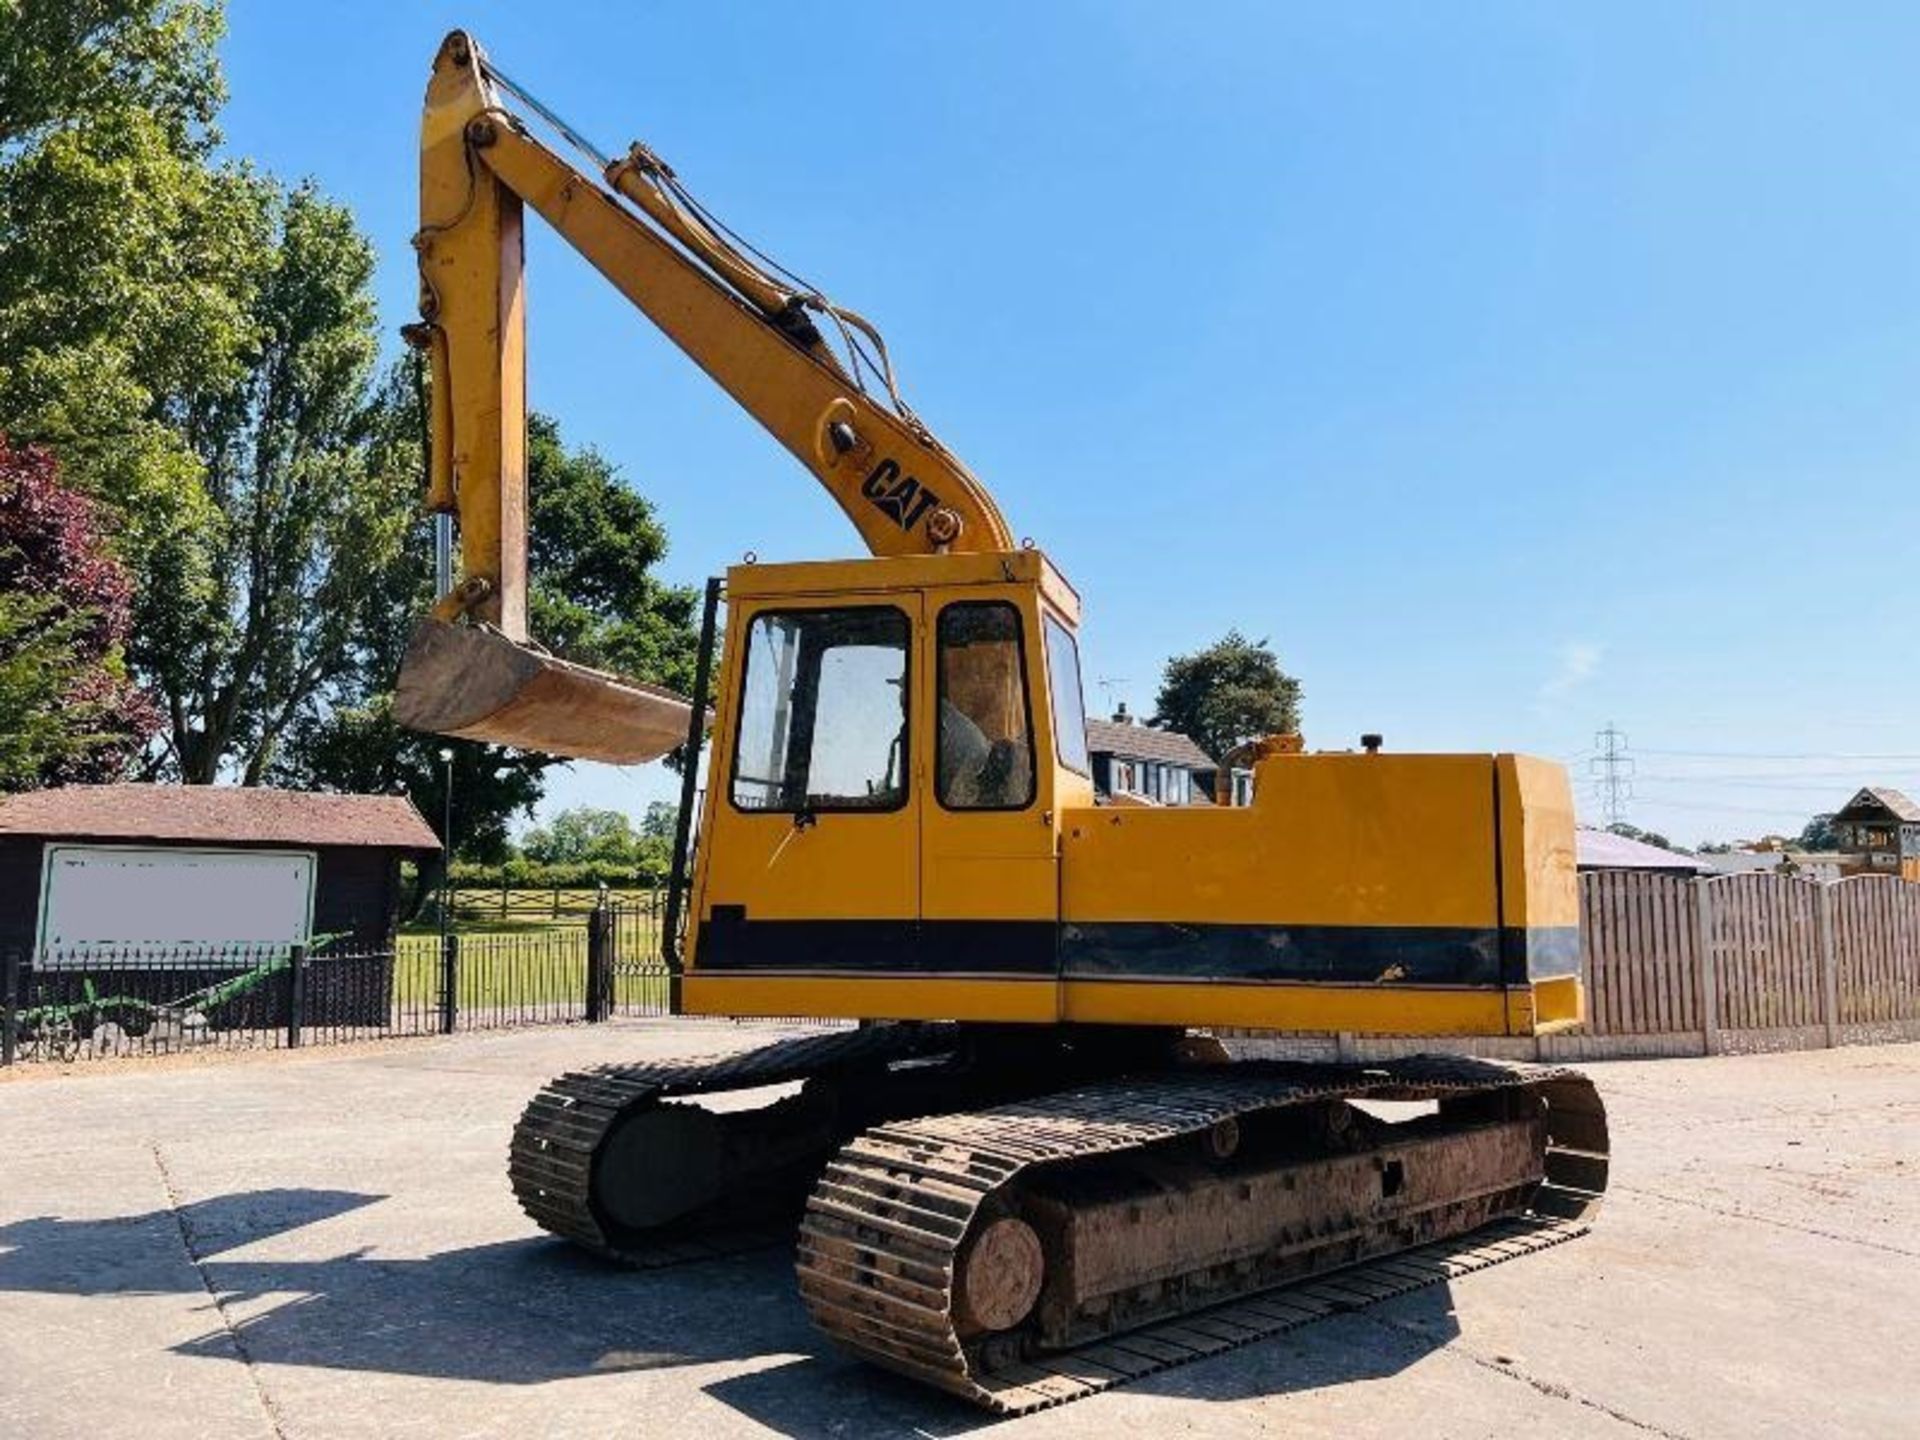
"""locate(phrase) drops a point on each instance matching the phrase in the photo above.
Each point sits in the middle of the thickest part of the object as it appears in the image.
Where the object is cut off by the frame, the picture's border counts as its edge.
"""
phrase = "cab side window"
(1069, 711)
(984, 747)
(823, 711)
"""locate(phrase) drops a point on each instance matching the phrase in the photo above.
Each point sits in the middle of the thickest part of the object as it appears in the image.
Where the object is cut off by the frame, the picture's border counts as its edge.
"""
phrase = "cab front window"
(823, 711)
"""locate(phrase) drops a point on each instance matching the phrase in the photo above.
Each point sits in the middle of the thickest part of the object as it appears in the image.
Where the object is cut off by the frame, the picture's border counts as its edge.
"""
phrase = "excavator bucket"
(477, 684)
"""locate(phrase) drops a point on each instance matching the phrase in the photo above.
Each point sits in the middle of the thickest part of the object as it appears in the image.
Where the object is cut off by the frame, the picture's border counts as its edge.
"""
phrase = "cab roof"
(906, 572)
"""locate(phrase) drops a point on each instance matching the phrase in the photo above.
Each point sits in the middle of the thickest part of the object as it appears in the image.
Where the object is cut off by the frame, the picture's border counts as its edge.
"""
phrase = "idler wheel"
(659, 1165)
(1000, 1275)
(1223, 1139)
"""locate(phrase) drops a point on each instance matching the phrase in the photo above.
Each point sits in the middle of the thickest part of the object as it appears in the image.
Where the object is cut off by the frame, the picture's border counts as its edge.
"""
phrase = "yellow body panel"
(917, 997)
(786, 872)
(983, 865)
(1540, 869)
(1325, 1008)
(1329, 840)
(920, 861)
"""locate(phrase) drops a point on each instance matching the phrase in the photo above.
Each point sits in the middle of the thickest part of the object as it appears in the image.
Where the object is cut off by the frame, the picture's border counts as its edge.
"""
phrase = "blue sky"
(1513, 368)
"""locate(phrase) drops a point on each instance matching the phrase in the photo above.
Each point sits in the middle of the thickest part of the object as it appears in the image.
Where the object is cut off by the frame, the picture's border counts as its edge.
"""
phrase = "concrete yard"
(323, 1244)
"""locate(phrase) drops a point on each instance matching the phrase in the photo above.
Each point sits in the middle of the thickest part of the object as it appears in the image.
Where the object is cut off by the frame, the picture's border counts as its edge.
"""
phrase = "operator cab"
(894, 742)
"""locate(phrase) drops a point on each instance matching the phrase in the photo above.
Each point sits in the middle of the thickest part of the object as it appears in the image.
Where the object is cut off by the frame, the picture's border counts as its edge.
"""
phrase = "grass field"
(524, 965)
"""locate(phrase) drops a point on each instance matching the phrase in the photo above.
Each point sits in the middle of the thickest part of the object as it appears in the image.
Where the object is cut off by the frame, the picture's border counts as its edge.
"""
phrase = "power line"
(1751, 782)
(1776, 811)
(1738, 777)
(1786, 755)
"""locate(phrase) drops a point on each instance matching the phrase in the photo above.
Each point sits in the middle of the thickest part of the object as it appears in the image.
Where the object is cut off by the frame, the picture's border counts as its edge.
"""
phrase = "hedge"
(585, 875)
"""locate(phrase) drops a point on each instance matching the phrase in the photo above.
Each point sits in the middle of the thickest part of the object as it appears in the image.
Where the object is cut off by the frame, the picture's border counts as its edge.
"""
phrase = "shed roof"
(1603, 850)
(1887, 798)
(217, 814)
(1144, 742)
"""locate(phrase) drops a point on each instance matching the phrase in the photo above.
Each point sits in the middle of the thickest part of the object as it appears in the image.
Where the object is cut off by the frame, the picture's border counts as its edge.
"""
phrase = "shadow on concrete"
(523, 1312)
(830, 1394)
(518, 1312)
(152, 1253)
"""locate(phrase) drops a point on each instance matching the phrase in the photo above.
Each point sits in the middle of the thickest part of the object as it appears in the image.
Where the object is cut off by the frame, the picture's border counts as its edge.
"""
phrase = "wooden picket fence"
(1729, 964)
(1748, 962)
(508, 904)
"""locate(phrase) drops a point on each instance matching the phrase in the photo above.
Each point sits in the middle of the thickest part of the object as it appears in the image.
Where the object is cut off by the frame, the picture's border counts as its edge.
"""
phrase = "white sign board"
(119, 897)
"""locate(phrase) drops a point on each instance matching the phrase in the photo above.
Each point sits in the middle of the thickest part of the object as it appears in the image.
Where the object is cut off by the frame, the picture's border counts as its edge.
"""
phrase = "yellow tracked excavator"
(1028, 1172)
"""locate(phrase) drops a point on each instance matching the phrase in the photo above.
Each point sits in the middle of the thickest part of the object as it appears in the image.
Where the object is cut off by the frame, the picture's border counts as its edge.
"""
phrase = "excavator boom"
(759, 339)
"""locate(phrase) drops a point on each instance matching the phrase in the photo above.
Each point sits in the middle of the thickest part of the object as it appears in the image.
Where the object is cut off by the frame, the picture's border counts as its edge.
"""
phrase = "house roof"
(1889, 799)
(1749, 862)
(1603, 850)
(1144, 742)
(217, 814)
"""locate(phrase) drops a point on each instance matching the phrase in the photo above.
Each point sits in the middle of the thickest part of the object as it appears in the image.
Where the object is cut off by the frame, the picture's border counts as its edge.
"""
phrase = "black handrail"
(678, 878)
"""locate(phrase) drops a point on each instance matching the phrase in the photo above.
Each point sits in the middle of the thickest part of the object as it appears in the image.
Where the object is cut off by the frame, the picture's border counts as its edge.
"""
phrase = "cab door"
(989, 898)
(813, 861)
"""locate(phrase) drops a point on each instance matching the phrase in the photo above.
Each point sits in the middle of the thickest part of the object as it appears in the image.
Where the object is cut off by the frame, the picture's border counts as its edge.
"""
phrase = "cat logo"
(901, 498)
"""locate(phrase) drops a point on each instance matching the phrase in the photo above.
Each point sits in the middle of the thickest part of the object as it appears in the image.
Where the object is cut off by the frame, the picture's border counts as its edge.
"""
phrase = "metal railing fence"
(62, 1004)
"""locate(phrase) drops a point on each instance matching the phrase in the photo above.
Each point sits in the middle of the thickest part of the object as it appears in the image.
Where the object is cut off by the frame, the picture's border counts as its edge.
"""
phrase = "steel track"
(881, 1240)
(550, 1160)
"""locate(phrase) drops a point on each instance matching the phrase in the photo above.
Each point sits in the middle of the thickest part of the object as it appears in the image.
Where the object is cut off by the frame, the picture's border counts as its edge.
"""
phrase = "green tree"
(59, 58)
(38, 666)
(68, 709)
(1819, 834)
(660, 821)
(585, 835)
(310, 508)
(592, 549)
(197, 340)
(581, 833)
(1227, 694)
(125, 256)
(1645, 837)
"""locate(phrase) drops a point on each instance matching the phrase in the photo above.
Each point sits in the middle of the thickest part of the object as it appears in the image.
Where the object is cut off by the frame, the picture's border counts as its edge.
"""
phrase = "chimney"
(1121, 717)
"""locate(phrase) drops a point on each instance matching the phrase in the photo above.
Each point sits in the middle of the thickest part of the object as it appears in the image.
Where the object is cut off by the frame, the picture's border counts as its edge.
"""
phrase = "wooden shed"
(92, 865)
(129, 901)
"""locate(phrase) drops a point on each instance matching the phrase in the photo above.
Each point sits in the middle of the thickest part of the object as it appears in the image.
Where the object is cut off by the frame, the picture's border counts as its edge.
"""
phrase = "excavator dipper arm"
(480, 167)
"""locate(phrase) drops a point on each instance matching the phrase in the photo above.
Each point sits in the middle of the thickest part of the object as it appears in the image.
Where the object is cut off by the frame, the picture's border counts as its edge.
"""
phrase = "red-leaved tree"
(69, 711)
